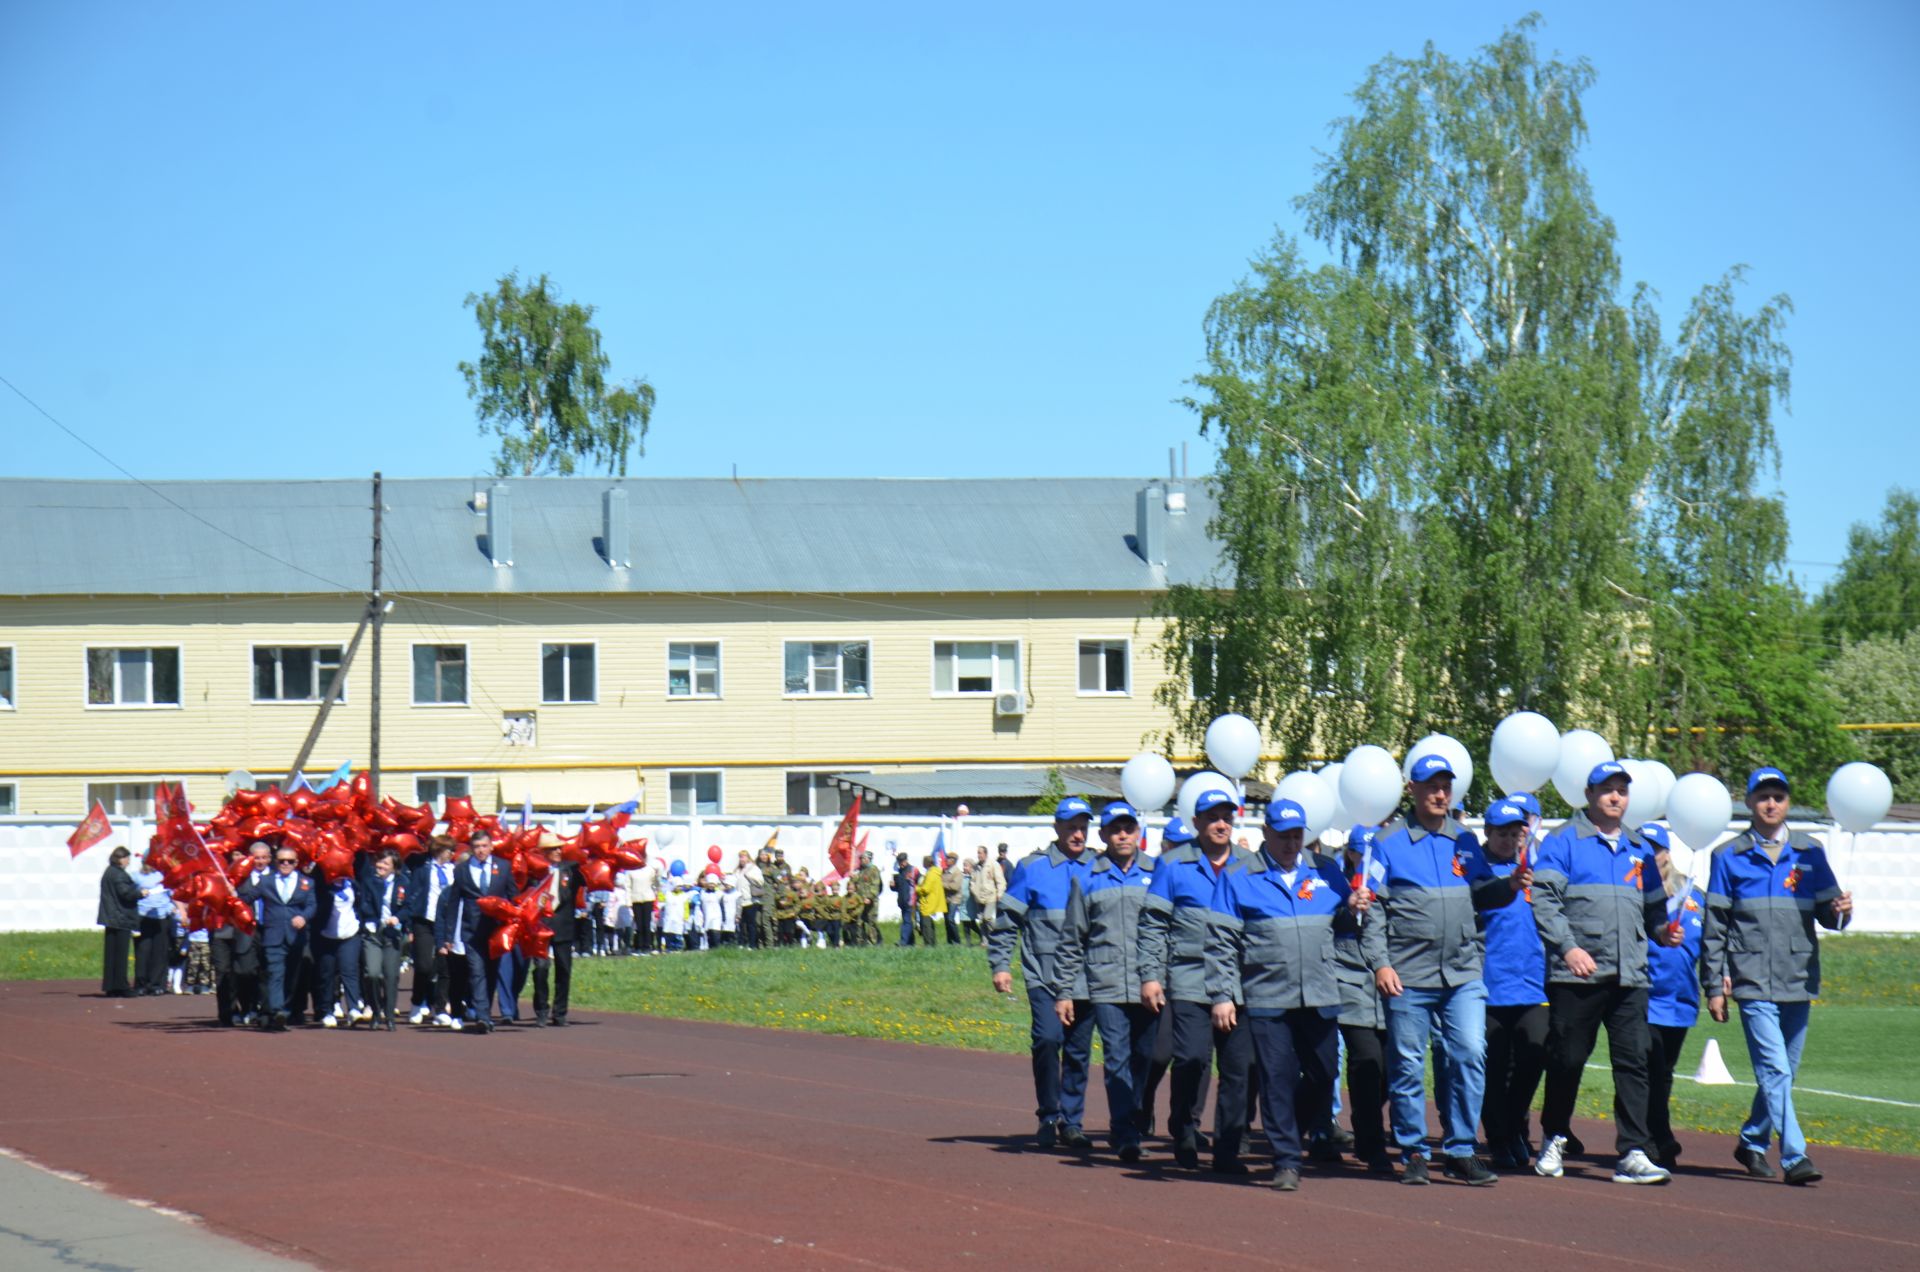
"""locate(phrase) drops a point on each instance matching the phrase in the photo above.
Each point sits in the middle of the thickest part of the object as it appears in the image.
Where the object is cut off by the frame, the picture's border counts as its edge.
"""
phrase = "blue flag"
(940, 849)
(333, 779)
(299, 783)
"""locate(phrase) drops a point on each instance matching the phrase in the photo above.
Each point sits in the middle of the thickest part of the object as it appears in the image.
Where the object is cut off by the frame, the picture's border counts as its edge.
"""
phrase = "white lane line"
(1806, 1090)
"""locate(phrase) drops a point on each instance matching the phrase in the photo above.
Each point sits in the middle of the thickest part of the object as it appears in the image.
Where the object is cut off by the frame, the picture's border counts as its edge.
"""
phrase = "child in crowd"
(199, 962)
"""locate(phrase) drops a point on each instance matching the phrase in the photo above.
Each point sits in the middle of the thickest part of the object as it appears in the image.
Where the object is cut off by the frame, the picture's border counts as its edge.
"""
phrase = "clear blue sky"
(885, 239)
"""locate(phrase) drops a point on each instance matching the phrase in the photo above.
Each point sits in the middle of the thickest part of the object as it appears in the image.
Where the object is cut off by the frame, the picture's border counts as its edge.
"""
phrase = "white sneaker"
(420, 1016)
(1637, 1168)
(454, 1025)
(331, 1022)
(1548, 1163)
(363, 1013)
(443, 1021)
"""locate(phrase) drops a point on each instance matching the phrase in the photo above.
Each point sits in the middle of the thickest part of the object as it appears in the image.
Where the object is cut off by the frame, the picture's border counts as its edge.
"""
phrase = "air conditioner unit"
(1009, 704)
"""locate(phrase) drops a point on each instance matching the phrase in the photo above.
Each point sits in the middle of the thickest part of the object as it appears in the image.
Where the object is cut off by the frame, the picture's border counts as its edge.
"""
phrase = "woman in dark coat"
(120, 916)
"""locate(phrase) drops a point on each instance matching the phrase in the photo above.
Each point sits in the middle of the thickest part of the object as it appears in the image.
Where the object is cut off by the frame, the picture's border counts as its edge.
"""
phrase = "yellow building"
(714, 646)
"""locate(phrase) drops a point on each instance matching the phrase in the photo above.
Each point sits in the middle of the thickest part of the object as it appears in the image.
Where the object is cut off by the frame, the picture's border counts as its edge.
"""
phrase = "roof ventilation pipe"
(499, 525)
(1150, 524)
(615, 541)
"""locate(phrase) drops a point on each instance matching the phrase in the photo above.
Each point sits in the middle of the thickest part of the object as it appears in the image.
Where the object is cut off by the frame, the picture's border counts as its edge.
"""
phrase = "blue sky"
(900, 240)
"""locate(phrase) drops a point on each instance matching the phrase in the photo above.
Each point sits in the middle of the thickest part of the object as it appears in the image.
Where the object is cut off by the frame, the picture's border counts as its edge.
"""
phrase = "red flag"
(92, 829)
(170, 803)
(840, 849)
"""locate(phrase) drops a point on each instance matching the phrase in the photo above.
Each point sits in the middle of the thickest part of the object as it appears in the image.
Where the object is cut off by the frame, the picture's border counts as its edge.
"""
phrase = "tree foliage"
(1878, 589)
(1462, 471)
(541, 384)
(1877, 681)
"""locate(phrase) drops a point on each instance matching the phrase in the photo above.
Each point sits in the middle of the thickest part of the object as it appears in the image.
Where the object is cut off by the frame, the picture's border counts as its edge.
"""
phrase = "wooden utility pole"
(377, 610)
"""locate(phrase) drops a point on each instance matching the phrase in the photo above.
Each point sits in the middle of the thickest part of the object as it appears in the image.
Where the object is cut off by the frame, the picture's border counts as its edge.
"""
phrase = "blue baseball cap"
(1761, 776)
(1525, 799)
(1505, 813)
(1177, 832)
(1119, 810)
(1213, 799)
(1656, 834)
(1610, 768)
(1360, 837)
(1284, 814)
(1071, 807)
(1428, 767)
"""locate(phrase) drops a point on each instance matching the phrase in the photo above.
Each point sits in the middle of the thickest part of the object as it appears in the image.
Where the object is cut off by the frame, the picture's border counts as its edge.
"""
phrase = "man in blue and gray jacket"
(1100, 945)
(1175, 928)
(1034, 910)
(1767, 890)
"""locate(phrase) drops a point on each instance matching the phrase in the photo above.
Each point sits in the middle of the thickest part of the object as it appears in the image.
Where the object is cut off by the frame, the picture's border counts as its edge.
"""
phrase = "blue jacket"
(1760, 917)
(1431, 887)
(1516, 962)
(460, 913)
(276, 916)
(1176, 924)
(1035, 909)
(1274, 950)
(1675, 997)
(1606, 901)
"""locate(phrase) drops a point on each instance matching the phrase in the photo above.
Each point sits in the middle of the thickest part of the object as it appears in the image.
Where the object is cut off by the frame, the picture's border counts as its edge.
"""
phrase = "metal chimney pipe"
(499, 525)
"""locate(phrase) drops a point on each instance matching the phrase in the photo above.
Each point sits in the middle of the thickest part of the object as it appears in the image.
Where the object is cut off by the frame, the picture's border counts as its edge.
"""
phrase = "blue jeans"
(1060, 1058)
(1460, 1014)
(1127, 1034)
(1776, 1033)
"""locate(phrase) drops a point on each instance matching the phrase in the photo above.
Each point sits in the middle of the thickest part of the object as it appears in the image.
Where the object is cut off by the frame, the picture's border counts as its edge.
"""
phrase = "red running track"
(630, 1141)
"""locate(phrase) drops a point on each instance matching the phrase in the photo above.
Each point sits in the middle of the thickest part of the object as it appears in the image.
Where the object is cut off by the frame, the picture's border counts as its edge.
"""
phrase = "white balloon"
(1233, 745)
(1315, 797)
(1651, 783)
(1580, 750)
(1665, 777)
(1370, 784)
(1330, 774)
(1858, 796)
(1147, 780)
(1525, 752)
(1456, 757)
(1200, 783)
(1698, 810)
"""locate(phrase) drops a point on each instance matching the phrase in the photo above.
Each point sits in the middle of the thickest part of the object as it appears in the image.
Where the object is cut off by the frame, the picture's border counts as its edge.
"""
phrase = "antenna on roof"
(1183, 459)
(1171, 471)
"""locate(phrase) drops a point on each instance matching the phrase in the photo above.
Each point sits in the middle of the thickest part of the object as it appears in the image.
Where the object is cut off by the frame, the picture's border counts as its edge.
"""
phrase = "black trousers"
(1298, 1056)
(1663, 1055)
(429, 969)
(236, 973)
(1516, 1057)
(562, 964)
(642, 938)
(1196, 1043)
(1576, 1014)
(151, 945)
(1367, 1050)
(113, 973)
(1162, 1059)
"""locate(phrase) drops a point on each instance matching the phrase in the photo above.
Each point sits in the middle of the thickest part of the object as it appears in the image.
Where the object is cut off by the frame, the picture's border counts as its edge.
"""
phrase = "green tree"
(1050, 795)
(1878, 589)
(1877, 681)
(541, 384)
(1450, 457)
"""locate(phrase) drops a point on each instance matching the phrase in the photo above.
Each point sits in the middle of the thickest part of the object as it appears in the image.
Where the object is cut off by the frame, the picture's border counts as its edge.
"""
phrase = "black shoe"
(390, 1024)
(1228, 1166)
(1129, 1153)
(1075, 1138)
(1754, 1160)
(1469, 1170)
(1669, 1155)
(1803, 1172)
(1322, 1151)
(486, 1026)
(1414, 1171)
(559, 1022)
(1503, 1159)
(1573, 1145)
(1381, 1164)
(1342, 1139)
(1047, 1135)
(279, 1024)
(1186, 1152)
(1286, 1179)
(1521, 1151)
(1203, 1141)
(539, 1022)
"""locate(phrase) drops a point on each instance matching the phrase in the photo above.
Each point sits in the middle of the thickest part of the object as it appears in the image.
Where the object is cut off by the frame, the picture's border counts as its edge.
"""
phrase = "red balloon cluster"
(333, 830)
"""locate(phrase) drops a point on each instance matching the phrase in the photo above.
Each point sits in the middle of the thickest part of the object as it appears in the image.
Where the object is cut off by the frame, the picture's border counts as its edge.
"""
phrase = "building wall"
(52, 743)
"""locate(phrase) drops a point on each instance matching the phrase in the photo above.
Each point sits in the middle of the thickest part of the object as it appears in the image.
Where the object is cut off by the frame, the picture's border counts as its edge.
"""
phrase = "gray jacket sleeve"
(1226, 939)
(1001, 935)
(1373, 933)
(1550, 906)
(1070, 958)
(1156, 925)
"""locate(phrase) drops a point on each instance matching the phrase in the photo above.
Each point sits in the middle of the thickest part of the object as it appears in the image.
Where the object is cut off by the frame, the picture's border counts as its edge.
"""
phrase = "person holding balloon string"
(1673, 998)
(1767, 890)
(1363, 1017)
(1515, 973)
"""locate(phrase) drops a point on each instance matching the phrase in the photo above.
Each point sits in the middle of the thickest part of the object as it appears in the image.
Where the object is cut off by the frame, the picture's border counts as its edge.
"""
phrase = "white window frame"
(720, 671)
(1019, 666)
(152, 784)
(10, 792)
(564, 702)
(10, 692)
(180, 657)
(720, 791)
(466, 650)
(1126, 649)
(253, 688)
(813, 789)
(842, 669)
(440, 805)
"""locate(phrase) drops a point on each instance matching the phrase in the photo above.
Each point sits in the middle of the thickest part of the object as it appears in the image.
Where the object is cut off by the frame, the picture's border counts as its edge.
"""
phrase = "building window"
(294, 673)
(10, 800)
(1103, 666)
(694, 794)
(439, 675)
(6, 677)
(121, 799)
(824, 668)
(693, 670)
(976, 666)
(815, 795)
(133, 677)
(566, 673)
(438, 788)
(1203, 664)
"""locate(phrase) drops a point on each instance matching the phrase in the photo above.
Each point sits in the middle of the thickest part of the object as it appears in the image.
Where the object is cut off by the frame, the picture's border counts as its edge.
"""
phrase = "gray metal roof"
(857, 535)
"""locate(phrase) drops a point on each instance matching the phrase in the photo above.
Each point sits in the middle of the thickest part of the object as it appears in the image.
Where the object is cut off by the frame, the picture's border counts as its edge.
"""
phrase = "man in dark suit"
(557, 893)
(429, 881)
(236, 954)
(287, 906)
(488, 976)
(380, 903)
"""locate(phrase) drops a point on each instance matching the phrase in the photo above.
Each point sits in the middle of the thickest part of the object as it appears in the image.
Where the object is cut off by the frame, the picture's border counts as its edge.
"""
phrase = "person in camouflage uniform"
(786, 906)
(765, 895)
(864, 903)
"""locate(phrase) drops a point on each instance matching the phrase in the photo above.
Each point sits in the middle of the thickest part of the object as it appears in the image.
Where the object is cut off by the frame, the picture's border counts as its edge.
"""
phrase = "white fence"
(43, 889)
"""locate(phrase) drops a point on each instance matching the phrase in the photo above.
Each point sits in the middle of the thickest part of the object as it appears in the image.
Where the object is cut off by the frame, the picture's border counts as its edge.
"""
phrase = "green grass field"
(1864, 1035)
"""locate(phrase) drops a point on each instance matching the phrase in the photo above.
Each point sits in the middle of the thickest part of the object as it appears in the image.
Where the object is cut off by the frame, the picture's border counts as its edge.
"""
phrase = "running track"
(628, 1141)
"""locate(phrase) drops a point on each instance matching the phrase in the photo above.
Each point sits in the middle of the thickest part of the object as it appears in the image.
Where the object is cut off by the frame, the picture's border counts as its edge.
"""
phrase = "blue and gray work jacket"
(1275, 949)
(1101, 940)
(1034, 909)
(1431, 886)
(1673, 1000)
(1760, 917)
(1174, 927)
(1603, 896)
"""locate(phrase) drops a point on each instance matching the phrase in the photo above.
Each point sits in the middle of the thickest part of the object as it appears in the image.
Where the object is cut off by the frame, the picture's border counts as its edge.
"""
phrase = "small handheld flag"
(91, 830)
